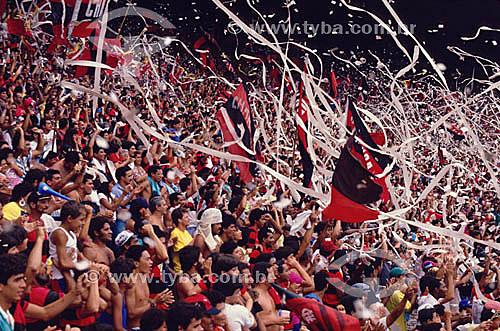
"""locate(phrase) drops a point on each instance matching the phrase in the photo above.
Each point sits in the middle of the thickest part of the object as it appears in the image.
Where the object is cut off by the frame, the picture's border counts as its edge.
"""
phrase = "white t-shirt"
(238, 317)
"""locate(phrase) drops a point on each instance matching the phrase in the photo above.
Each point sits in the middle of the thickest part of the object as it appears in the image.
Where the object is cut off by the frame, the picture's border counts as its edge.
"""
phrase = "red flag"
(233, 117)
(307, 164)
(199, 42)
(333, 82)
(16, 27)
(234, 149)
(317, 316)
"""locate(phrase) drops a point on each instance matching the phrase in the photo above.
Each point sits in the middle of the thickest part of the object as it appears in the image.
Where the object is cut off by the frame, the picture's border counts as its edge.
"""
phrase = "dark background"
(460, 18)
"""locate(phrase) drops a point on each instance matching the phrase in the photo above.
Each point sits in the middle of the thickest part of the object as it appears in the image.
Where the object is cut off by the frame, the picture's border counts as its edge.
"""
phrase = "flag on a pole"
(236, 121)
(356, 180)
(307, 164)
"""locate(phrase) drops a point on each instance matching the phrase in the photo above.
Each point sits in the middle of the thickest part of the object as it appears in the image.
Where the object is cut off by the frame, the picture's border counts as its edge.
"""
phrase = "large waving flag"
(236, 122)
(74, 18)
(357, 178)
(307, 164)
(317, 316)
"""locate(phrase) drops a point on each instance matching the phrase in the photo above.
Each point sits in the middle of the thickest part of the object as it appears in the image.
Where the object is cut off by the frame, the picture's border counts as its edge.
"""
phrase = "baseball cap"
(123, 237)
(427, 265)
(396, 272)
(28, 102)
(362, 286)
(211, 216)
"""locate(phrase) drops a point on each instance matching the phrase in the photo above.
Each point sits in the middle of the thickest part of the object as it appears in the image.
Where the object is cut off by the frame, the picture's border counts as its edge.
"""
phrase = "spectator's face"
(163, 206)
(18, 98)
(75, 224)
(27, 148)
(82, 126)
(132, 151)
(158, 175)
(247, 278)
(195, 325)
(14, 289)
(145, 264)
(237, 236)
(4, 166)
(101, 155)
(185, 219)
(128, 177)
(138, 158)
(4, 95)
(42, 205)
(238, 253)
(55, 178)
(105, 234)
(48, 125)
(88, 186)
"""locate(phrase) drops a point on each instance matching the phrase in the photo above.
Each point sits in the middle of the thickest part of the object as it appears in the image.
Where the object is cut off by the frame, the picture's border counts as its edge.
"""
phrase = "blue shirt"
(117, 191)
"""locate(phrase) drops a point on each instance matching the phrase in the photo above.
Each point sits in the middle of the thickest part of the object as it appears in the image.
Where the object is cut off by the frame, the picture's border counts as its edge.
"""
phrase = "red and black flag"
(234, 118)
(307, 164)
(317, 316)
(89, 53)
(442, 161)
(355, 181)
(455, 132)
(201, 46)
(74, 18)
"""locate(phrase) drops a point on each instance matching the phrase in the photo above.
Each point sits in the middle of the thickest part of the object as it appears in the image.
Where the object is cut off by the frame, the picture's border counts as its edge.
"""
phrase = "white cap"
(123, 237)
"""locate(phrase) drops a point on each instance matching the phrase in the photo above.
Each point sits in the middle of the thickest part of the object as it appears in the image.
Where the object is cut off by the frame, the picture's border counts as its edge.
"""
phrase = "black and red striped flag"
(356, 180)
(317, 316)
(74, 18)
(233, 118)
(306, 161)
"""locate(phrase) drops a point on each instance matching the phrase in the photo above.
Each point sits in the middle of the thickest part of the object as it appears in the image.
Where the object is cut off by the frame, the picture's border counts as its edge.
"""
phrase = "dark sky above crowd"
(438, 24)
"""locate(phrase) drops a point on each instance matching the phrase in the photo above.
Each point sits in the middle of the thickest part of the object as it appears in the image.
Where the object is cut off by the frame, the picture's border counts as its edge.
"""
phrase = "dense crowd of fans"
(100, 232)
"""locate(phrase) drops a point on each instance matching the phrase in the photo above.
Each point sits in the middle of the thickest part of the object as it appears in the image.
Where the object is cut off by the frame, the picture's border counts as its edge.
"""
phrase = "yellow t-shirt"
(183, 239)
(394, 300)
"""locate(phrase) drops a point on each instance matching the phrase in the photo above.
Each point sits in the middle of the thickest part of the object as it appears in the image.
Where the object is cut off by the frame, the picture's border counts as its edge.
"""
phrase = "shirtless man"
(158, 207)
(137, 297)
(68, 168)
(101, 234)
(82, 190)
(264, 275)
(192, 262)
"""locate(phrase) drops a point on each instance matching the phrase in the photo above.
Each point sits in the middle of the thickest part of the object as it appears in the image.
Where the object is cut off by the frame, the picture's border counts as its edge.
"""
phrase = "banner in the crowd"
(359, 177)
(236, 122)
(317, 316)
(306, 161)
(74, 18)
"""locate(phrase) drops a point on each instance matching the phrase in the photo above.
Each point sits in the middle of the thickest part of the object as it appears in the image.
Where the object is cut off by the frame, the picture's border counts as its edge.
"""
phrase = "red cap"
(28, 102)
(328, 246)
